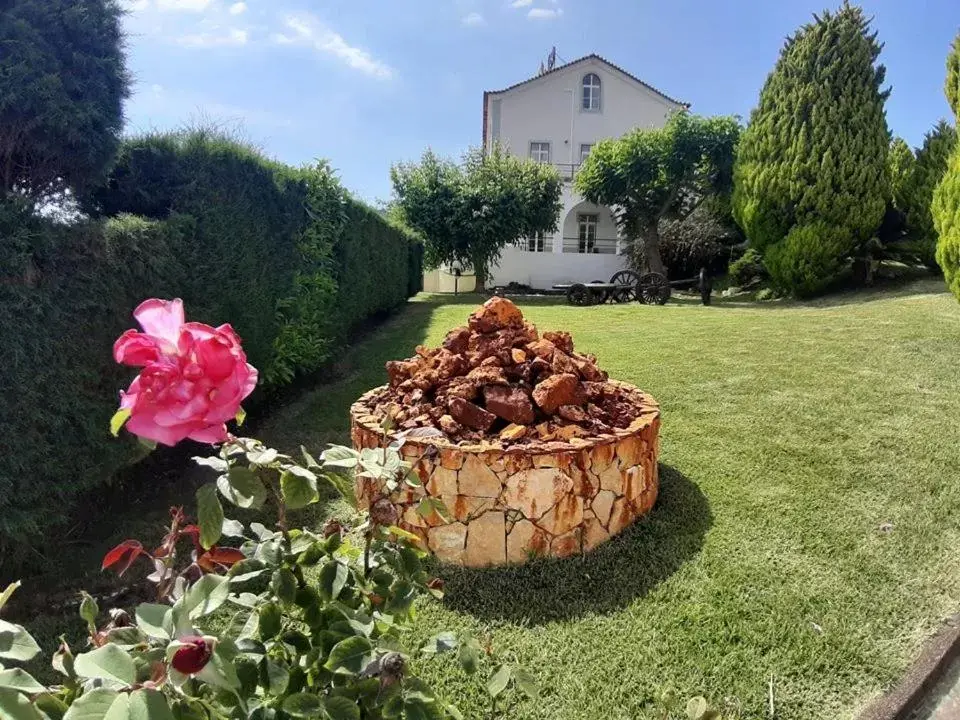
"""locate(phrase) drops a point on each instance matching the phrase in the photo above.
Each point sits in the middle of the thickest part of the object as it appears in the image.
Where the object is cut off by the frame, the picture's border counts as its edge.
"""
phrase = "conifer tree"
(927, 172)
(900, 164)
(815, 153)
(946, 198)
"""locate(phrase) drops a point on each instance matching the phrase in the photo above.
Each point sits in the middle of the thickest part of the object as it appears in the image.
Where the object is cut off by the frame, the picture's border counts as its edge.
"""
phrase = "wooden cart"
(624, 286)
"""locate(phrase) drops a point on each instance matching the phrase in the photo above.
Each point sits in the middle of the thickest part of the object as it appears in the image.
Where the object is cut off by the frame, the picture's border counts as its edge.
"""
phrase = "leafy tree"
(946, 198)
(900, 164)
(930, 166)
(815, 151)
(649, 175)
(62, 84)
(468, 213)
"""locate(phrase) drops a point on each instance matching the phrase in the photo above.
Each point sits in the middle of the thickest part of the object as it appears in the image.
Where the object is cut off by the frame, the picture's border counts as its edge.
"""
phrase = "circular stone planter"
(508, 505)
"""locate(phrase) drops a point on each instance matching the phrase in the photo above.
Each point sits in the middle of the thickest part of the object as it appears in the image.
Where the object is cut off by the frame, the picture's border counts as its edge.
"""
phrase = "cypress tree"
(928, 170)
(815, 153)
(946, 198)
(900, 163)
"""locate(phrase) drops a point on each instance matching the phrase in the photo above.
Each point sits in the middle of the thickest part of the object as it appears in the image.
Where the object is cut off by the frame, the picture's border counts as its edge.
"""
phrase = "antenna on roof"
(542, 69)
(552, 58)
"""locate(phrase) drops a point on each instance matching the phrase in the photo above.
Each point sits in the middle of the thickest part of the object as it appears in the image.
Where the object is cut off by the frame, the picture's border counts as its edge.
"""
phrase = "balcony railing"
(567, 171)
(544, 244)
(599, 246)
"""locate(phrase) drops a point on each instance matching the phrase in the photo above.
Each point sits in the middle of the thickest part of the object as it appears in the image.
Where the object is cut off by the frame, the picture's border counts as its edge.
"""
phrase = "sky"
(368, 83)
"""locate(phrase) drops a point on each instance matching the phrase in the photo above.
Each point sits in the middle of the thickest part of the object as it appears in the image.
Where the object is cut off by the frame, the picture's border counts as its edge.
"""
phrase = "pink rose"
(193, 380)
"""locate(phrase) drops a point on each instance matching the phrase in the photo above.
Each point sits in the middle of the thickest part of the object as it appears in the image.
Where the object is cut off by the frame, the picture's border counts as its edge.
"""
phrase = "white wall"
(441, 280)
(542, 270)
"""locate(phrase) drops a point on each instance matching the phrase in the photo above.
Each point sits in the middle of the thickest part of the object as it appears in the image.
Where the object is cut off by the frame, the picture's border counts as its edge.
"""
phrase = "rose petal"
(210, 434)
(162, 319)
(136, 349)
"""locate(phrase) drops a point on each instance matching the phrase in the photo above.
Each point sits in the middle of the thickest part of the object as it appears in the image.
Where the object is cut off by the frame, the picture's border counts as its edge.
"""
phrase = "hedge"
(283, 254)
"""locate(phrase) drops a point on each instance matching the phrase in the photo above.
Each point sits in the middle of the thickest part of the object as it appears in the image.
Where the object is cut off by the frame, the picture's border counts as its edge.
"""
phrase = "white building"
(556, 118)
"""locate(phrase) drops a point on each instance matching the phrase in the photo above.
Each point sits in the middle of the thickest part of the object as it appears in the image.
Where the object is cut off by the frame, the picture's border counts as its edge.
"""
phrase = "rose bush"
(250, 622)
(193, 380)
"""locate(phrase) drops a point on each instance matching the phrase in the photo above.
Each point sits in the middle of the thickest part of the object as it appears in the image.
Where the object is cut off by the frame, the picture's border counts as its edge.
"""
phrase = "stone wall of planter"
(509, 504)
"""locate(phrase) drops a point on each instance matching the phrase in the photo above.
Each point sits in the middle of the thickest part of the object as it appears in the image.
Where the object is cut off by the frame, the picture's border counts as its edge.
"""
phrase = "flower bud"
(383, 512)
(192, 655)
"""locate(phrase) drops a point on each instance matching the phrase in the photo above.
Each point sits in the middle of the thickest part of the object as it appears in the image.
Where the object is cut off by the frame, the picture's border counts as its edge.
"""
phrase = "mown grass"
(808, 521)
(806, 530)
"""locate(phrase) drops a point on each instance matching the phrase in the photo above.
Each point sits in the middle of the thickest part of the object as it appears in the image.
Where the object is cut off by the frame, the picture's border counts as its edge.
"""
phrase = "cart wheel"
(653, 289)
(600, 296)
(578, 294)
(625, 277)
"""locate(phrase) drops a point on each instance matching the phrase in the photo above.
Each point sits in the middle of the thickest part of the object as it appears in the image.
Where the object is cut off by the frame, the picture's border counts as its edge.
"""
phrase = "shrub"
(703, 239)
(284, 252)
(61, 90)
(794, 169)
(747, 269)
(946, 198)
(928, 170)
(807, 260)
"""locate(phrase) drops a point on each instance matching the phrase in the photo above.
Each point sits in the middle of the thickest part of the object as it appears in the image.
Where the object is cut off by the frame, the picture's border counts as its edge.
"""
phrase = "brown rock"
(473, 416)
(449, 425)
(602, 505)
(593, 534)
(567, 544)
(563, 363)
(568, 432)
(494, 314)
(520, 541)
(611, 479)
(457, 340)
(425, 352)
(621, 516)
(558, 390)
(465, 508)
(588, 370)
(460, 387)
(561, 339)
(534, 492)
(510, 403)
(564, 516)
(400, 370)
(543, 349)
(488, 375)
(572, 413)
(486, 540)
(449, 365)
(477, 479)
(448, 541)
(443, 481)
(492, 361)
(426, 379)
(594, 390)
(630, 450)
(513, 432)
(517, 355)
(451, 459)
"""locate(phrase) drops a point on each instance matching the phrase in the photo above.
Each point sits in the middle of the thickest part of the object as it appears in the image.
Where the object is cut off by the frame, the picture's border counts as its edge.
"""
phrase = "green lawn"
(805, 532)
(794, 437)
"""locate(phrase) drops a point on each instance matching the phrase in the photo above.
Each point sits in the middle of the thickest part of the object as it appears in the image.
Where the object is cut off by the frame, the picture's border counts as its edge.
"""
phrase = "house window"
(591, 92)
(585, 149)
(540, 151)
(587, 236)
(536, 243)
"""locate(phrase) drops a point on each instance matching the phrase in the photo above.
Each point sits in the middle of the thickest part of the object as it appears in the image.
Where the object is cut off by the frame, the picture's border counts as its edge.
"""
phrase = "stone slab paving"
(943, 703)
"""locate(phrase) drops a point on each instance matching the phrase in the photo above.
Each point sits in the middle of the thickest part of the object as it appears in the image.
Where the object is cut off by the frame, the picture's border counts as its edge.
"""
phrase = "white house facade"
(556, 118)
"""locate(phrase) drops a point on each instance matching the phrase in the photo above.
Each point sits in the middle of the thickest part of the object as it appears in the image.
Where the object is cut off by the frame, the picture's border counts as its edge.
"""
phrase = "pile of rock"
(499, 378)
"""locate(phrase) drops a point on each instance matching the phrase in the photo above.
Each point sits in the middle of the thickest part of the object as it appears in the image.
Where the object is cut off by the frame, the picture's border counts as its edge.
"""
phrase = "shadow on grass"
(610, 577)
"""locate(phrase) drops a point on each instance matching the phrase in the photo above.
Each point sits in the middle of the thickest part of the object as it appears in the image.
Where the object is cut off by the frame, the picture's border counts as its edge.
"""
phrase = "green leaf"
(243, 487)
(120, 709)
(14, 706)
(298, 491)
(338, 456)
(403, 534)
(350, 656)
(50, 705)
(209, 515)
(92, 705)
(410, 561)
(232, 528)
(343, 485)
(107, 663)
(16, 643)
(697, 707)
(526, 682)
(277, 678)
(221, 671)
(284, 585)
(218, 464)
(469, 655)
(332, 579)
(262, 456)
(5, 595)
(241, 417)
(308, 458)
(499, 680)
(89, 609)
(149, 705)
(441, 643)
(270, 620)
(206, 595)
(303, 705)
(118, 420)
(18, 679)
(340, 708)
(154, 620)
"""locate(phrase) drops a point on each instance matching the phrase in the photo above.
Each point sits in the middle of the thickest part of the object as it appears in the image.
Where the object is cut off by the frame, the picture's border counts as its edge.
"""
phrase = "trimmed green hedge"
(283, 254)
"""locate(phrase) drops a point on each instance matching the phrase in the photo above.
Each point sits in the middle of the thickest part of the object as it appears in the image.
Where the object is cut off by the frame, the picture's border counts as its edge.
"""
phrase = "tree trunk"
(480, 274)
(650, 251)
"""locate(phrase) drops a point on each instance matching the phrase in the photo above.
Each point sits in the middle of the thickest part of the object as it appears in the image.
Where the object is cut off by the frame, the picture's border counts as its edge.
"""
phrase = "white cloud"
(307, 30)
(521, 3)
(135, 5)
(238, 8)
(473, 18)
(544, 13)
(233, 37)
(184, 5)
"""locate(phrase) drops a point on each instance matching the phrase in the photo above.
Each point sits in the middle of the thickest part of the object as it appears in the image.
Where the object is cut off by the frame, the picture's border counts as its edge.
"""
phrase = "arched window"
(591, 92)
